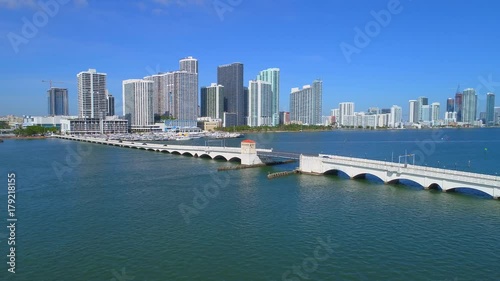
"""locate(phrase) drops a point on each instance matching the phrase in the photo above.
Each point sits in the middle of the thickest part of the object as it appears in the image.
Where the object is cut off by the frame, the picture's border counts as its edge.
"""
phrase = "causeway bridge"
(388, 172)
(246, 155)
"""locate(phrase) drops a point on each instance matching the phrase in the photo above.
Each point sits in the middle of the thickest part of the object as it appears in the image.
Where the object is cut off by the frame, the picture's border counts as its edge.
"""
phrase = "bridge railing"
(412, 169)
(224, 149)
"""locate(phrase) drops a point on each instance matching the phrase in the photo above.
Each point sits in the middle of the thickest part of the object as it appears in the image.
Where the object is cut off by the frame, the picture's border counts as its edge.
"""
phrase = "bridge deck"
(146, 145)
(423, 170)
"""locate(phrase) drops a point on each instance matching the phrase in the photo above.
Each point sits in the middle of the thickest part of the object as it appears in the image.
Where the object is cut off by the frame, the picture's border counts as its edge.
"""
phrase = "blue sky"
(426, 48)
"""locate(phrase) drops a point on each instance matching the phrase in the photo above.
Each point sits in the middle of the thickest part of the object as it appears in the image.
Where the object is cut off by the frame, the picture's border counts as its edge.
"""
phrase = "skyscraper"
(92, 101)
(435, 111)
(345, 109)
(245, 101)
(212, 101)
(138, 103)
(188, 64)
(306, 104)
(490, 109)
(422, 101)
(396, 116)
(58, 101)
(459, 106)
(260, 103)
(469, 105)
(163, 85)
(185, 97)
(272, 75)
(175, 94)
(425, 116)
(231, 77)
(111, 104)
(450, 105)
(414, 109)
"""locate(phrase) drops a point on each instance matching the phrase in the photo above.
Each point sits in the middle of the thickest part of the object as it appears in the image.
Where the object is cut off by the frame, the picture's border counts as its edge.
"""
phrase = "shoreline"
(22, 138)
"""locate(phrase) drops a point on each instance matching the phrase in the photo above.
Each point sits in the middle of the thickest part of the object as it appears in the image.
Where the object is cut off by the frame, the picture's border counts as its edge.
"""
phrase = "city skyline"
(382, 68)
(260, 103)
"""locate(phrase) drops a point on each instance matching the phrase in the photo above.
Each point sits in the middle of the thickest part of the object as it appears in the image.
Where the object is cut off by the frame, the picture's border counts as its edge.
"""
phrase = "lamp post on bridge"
(406, 158)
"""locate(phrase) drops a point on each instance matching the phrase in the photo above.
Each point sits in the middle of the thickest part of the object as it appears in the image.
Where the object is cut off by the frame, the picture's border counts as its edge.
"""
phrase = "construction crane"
(51, 82)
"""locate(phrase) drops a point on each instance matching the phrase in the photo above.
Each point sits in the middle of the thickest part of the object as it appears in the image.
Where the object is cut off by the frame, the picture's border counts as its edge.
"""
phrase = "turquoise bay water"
(116, 210)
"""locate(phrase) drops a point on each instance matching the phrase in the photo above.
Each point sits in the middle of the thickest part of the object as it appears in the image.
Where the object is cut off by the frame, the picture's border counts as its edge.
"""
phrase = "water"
(116, 210)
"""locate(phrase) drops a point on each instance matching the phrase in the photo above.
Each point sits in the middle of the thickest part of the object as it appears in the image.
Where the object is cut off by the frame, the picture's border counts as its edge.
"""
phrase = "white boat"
(183, 138)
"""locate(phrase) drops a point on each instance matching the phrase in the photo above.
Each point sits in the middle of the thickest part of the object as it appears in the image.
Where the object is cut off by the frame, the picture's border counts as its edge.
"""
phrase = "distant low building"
(209, 124)
(109, 125)
(45, 121)
(181, 126)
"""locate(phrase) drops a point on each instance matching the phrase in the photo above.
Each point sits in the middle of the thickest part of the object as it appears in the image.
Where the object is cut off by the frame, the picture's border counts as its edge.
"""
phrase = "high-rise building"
(58, 101)
(260, 103)
(425, 114)
(212, 101)
(422, 101)
(163, 89)
(306, 104)
(231, 77)
(435, 111)
(459, 106)
(490, 109)
(188, 64)
(469, 105)
(272, 75)
(111, 104)
(414, 109)
(185, 96)
(138, 103)
(92, 101)
(335, 116)
(345, 109)
(482, 117)
(497, 115)
(450, 105)
(245, 101)
(175, 94)
(450, 117)
(396, 117)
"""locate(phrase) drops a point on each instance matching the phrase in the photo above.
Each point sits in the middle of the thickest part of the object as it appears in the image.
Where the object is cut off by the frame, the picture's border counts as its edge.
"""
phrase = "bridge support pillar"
(496, 197)
(249, 153)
